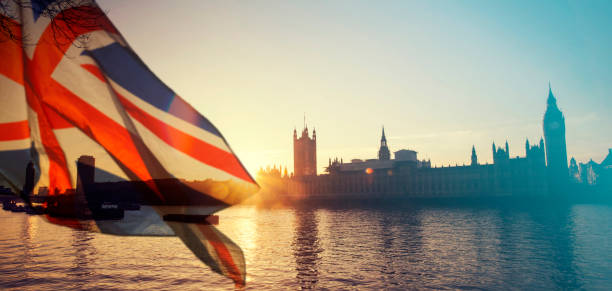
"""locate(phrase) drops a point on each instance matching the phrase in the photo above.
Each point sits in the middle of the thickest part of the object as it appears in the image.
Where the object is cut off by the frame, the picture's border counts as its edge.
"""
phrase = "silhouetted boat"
(35, 210)
(6, 205)
(16, 206)
(75, 206)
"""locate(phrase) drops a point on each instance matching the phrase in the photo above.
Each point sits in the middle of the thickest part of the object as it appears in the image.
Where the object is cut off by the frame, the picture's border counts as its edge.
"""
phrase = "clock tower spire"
(554, 136)
(383, 152)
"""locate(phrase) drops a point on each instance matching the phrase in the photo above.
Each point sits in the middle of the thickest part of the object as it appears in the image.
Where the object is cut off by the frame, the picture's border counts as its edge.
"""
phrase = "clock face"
(554, 125)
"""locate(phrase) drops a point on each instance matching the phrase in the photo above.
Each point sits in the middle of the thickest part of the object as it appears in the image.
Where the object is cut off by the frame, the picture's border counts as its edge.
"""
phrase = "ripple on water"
(567, 247)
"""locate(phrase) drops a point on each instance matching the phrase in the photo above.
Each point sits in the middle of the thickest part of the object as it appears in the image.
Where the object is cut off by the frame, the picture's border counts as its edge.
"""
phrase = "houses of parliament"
(542, 170)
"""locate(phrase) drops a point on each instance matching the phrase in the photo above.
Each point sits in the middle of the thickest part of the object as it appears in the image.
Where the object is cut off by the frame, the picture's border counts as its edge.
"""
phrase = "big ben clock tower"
(554, 136)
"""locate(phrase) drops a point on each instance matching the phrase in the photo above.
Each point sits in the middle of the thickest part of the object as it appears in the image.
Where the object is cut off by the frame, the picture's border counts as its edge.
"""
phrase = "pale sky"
(441, 76)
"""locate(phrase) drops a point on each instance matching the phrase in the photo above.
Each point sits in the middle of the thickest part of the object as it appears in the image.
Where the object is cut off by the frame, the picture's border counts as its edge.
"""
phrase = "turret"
(305, 133)
(527, 147)
(507, 150)
(574, 172)
(474, 157)
(494, 151)
(304, 153)
(28, 186)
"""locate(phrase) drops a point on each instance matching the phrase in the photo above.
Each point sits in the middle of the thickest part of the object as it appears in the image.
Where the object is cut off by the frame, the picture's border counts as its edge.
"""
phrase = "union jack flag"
(70, 86)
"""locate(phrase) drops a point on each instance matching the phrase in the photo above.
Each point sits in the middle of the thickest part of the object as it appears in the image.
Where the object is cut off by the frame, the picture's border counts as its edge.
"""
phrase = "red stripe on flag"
(14, 130)
(55, 120)
(223, 253)
(115, 138)
(195, 148)
(59, 177)
(94, 70)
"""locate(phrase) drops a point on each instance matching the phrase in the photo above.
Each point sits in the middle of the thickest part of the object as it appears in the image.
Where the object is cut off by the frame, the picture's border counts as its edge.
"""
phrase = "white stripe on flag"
(87, 87)
(13, 101)
(172, 120)
(13, 145)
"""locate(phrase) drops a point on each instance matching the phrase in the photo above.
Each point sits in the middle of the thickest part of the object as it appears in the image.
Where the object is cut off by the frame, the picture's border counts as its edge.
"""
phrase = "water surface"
(402, 247)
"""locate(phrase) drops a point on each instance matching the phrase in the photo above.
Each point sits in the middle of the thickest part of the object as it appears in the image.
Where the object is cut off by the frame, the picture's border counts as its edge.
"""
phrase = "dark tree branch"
(68, 18)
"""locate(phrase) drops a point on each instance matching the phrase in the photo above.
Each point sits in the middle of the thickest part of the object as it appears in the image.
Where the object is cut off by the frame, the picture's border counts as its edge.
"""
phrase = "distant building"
(273, 172)
(28, 186)
(605, 171)
(574, 171)
(86, 167)
(406, 155)
(588, 172)
(406, 176)
(592, 173)
(384, 161)
(305, 153)
(542, 170)
(500, 154)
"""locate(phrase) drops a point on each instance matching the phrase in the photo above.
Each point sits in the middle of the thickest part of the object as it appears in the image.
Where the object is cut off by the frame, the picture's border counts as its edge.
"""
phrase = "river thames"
(529, 247)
